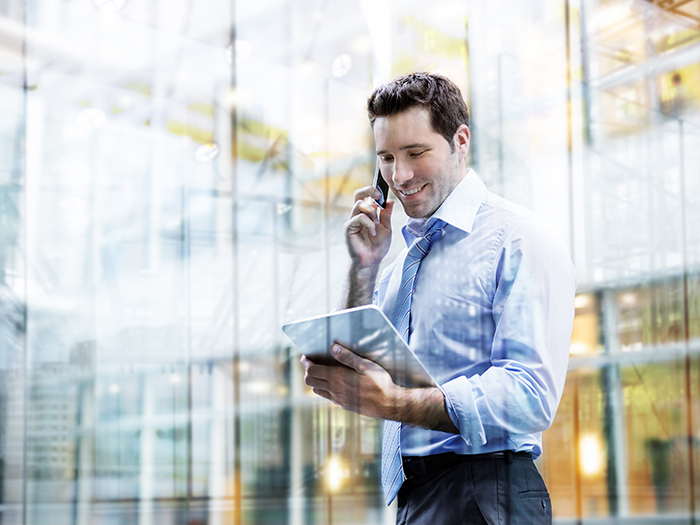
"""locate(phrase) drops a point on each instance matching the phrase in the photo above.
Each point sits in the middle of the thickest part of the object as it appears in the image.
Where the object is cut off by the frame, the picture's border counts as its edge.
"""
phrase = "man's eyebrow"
(416, 145)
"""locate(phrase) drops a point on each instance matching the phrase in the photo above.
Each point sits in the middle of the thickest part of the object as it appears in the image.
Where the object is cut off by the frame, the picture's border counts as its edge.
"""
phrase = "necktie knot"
(421, 246)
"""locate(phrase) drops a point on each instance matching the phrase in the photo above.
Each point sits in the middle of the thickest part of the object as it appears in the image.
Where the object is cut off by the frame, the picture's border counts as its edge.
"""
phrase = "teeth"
(411, 192)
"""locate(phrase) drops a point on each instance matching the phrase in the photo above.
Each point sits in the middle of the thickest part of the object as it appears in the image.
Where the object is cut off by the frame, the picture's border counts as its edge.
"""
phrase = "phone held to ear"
(381, 185)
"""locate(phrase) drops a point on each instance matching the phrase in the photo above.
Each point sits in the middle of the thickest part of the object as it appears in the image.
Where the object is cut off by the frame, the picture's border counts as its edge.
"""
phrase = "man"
(491, 313)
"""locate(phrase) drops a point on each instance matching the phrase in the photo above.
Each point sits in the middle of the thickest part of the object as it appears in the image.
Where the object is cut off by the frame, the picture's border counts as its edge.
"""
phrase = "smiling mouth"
(408, 193)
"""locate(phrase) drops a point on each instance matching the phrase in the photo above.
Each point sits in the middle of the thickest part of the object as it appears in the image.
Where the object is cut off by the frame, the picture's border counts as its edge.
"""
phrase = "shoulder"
(512, 222)
(519, 235)
(500, 212)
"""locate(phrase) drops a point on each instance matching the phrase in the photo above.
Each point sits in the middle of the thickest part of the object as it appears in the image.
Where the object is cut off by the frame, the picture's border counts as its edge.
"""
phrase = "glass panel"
(13, 271)
(174, 178)
(656, 413)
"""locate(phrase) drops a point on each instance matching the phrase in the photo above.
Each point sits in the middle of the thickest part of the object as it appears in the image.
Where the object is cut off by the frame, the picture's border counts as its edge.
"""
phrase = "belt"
(421, 465)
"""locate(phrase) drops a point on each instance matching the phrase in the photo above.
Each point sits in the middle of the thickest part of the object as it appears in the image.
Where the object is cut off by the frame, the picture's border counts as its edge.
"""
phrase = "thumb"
(346, 357)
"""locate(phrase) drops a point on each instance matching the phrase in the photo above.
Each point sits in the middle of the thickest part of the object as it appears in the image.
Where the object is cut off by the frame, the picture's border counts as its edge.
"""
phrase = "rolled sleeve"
(533, 295)
(462, 409)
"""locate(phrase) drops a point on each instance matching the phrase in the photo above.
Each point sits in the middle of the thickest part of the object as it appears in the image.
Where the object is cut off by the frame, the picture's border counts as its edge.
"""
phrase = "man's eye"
(386, 159)
(417, 153)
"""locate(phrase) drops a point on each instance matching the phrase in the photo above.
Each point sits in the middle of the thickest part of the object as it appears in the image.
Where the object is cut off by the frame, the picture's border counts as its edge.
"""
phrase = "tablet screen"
(366, 331)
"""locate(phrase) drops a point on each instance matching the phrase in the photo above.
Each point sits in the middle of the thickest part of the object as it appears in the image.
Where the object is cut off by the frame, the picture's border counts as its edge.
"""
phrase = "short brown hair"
(438, 94)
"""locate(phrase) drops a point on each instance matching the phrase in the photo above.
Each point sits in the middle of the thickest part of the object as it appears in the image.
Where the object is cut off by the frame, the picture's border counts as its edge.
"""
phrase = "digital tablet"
(366, 331)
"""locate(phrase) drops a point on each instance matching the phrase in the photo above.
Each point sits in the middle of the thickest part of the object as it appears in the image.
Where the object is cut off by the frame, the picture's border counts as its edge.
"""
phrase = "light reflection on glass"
(591, 454)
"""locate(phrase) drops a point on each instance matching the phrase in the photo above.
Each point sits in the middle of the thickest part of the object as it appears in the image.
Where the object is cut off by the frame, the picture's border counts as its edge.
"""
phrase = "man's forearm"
(425, 408)
(364, 387)
(359, 287)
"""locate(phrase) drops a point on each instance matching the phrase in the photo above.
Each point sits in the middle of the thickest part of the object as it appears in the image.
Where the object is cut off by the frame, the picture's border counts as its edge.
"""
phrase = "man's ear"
(462, 141)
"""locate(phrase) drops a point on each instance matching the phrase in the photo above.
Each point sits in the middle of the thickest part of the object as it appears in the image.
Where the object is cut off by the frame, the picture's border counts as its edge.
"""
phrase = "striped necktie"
(392, 467)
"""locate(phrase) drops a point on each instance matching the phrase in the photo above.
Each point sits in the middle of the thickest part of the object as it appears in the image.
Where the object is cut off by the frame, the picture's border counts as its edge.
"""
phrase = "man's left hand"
(360, 385)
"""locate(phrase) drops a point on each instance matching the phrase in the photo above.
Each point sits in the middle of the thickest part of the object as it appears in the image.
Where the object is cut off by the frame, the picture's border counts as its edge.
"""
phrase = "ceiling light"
(341, 65)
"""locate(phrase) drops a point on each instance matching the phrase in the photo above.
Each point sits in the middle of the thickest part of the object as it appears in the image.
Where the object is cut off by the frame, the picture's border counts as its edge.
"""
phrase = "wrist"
(421, 407)
(413, 403)
(366, 272)
(359, 285)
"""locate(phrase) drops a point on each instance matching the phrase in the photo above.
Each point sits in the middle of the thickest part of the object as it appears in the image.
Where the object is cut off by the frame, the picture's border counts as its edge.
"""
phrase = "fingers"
(365, 202)
(366, 206)
(314, 375)
(333, 383)
(361, 222)
(322, 377)
(367, 191)
(322, 393)
(359, 385)
(366, 214)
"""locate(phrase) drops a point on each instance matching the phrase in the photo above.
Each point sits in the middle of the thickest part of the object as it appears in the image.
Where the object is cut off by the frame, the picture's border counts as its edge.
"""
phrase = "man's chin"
(418, 212)
(417, 209)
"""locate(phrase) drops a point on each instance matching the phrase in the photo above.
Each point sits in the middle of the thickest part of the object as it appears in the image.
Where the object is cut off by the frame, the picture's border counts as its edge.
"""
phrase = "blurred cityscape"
(174, 177)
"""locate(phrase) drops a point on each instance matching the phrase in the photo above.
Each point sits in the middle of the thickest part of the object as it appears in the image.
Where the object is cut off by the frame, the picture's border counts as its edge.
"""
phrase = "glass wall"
(174, 177)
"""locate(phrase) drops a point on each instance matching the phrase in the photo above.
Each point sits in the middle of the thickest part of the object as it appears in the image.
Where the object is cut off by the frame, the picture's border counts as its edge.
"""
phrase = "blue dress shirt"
(491, 321)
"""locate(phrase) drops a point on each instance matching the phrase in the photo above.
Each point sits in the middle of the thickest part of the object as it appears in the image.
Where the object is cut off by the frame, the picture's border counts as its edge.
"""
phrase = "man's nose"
(402, 173)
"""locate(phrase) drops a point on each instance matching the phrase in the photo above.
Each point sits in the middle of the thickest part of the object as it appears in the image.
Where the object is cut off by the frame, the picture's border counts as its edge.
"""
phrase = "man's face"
(417, 162)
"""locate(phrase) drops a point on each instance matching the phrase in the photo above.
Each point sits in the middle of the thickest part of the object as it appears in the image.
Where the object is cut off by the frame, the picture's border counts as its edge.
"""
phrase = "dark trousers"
(505, 490)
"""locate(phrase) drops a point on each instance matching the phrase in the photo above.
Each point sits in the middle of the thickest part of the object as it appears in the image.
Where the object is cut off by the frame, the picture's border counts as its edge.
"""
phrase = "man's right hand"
(368, 231)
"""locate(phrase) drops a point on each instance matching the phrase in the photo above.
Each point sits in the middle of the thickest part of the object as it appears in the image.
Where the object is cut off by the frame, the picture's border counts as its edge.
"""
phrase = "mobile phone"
(381, 185)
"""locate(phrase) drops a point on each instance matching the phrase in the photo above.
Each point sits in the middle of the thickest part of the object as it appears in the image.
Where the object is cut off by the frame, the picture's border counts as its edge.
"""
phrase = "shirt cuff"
(461, 407)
